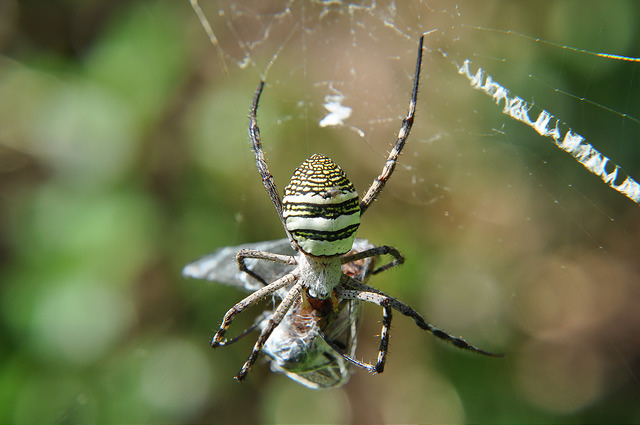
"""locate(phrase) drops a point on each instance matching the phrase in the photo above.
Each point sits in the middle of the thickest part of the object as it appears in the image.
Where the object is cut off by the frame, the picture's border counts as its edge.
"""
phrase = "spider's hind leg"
(261, 163)
(379, 182)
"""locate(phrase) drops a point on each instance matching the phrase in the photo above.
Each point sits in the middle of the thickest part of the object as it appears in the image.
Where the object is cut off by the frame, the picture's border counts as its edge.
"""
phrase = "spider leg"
(369, 367)
(218, 338)
(274, 321)
(403, 134)
(373, 252)
(243, 333)
(384, 336)
(261, 162)
(352, 289)
(261, 255)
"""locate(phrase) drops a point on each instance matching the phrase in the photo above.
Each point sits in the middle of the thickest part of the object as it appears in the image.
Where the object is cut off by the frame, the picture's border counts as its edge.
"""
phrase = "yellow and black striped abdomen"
(321, 208)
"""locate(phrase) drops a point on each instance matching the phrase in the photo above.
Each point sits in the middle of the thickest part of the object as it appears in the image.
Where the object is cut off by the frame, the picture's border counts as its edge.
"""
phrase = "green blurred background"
(124, 155)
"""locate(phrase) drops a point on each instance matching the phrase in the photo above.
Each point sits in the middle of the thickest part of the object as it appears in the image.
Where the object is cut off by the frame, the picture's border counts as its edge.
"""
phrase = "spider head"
(321, 208)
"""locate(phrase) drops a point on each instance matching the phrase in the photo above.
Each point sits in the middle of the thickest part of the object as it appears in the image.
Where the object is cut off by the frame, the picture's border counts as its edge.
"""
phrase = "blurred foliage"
(124, 155)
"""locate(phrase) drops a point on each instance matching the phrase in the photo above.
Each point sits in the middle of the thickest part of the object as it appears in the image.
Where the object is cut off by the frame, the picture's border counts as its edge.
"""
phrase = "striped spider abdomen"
(321, 208)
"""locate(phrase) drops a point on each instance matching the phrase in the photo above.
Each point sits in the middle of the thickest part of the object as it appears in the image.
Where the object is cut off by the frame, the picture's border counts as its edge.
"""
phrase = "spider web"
(517, 236)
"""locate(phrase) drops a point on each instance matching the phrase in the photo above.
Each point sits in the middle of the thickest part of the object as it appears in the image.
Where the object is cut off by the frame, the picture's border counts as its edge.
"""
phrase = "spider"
(320, 213)
(303, 345)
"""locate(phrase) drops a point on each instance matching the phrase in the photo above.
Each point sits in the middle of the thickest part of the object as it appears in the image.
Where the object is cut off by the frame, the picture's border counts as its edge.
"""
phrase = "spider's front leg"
(218, 338)
(274, 321)
(384, 341)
